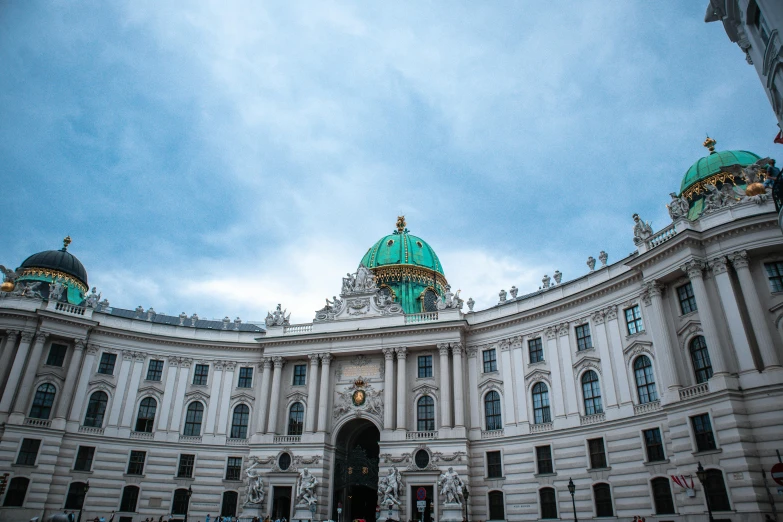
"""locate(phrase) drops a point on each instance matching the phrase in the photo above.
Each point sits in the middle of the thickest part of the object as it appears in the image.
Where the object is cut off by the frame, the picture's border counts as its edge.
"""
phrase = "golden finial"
(66, 242)
(400, 224)
(710, 144)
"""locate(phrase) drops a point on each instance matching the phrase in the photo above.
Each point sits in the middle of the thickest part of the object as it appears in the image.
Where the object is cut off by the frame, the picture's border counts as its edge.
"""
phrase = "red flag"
(779, 138)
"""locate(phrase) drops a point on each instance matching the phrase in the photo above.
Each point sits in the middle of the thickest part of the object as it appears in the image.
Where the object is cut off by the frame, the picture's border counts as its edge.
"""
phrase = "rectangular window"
(702, 431)
(597, 453)
(654, 445)
(761, 26)
(245, 377)
(185, 468)
(544, 460)
(107, 363)
(490, 360)
(84, 458)
(633, 319)
(56, 355)
(775, 275)
(201, 374)
(155, 370)
(28, 452)
(583, 339)
(300, 374)
(687, 301)
(536, 349)
(425, 366)
(234, 468)
(136, 462)
(494, 465)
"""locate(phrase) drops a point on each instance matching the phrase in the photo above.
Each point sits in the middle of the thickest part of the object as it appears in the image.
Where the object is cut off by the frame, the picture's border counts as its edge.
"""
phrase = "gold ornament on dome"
(755, 189)
(54, 274)
(710, 144)
(418, 274)
(700, 187)
(401, 224)
(8, 286)
(67, 241)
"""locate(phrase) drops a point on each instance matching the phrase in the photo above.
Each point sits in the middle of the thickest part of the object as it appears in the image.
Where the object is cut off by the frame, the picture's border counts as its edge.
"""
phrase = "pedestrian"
(207, 519)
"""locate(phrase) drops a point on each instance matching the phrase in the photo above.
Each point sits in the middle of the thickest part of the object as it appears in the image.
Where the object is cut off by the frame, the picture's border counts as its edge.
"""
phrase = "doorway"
(281, 503)
(427, 515)
(356, 471)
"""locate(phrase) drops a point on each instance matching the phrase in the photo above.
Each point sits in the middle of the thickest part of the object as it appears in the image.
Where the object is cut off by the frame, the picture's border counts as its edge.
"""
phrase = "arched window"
(130, 497)
(603, 500)
(239, 422)
(546, 497)
(716, 491)
(229, 506)
(96, 409)
(541, 413)
(296, 419)
(17, 490)
(146, 417)
(193, 419)
(701, 360)
(179, 504)
(591, 391)
(645, 381)
(497, 508)
(75, 498)
(425, 414)
(492, 411)
(662, 496)
(429, 301)
(42, 403)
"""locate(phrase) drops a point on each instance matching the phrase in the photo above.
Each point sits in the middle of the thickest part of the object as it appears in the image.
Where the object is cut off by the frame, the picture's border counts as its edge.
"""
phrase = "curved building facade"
(623, 380)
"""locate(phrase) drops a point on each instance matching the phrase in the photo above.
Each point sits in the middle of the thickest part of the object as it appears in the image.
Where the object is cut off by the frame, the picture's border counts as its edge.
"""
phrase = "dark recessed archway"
(356, 471)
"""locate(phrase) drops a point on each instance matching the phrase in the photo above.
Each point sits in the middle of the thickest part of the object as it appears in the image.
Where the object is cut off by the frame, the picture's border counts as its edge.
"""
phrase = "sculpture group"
(305, 489)
(452, 487)
(389, 488)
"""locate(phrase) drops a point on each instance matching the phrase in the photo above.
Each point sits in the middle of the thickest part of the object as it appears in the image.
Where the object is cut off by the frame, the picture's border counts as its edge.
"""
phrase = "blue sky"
(221, 157)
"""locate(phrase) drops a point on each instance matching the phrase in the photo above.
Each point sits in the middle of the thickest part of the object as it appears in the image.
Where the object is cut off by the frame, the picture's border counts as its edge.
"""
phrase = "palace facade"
(624, 381)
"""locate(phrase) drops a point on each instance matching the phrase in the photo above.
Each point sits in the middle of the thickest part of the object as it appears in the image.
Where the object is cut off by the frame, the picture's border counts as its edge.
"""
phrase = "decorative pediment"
(538, 375)
(425, 389)
(593, 363)
(637, 348)
(296, 396)
(102, 381)
(491, 382)
(359, 399)
(242, 396)
(691, 326)
(49, 374)
(151, 390)
(196, 395)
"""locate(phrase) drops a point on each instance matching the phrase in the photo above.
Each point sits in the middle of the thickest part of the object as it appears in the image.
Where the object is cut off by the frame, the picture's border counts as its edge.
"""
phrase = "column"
(459, 404)
(556, 393)
(569, 383)
(445, 387)
(402, 389)
(25, 388)
(133, 390)
(664, 350)
(507, 373)
(599, 330)
(80, 398)
(755, 310)
(620, 371)
(119, 392)
(475, 422)
(388, 389)
(520, 391)
(275, 400)
(168, 393)
(262, 395)
(8, 353)
(694, 270)
(312, 383)
(326, 359)
(69, 386)
(229, 368)
(183, 374)
(214, 393)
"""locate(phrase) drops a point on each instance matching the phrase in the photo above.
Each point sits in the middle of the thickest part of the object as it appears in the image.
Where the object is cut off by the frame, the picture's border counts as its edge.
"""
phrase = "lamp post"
(187, 506)
(466, 494)
(571, 489)
(702, 474)
(86, 489)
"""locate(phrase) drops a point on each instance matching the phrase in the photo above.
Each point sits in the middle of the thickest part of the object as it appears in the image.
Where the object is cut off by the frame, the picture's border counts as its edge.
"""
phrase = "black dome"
(61, 260)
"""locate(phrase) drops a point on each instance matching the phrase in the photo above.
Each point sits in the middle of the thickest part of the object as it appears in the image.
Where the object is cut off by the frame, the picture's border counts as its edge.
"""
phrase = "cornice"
(173, 341)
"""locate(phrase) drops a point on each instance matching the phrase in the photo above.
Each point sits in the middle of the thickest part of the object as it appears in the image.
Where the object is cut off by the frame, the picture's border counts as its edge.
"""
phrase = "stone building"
(624, 380)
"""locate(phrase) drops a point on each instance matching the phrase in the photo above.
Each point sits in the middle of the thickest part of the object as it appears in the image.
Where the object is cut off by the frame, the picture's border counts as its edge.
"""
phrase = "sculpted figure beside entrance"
(451, 487)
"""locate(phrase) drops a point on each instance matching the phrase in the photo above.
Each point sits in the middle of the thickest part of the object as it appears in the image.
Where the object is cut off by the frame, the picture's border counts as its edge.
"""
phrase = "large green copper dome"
(409, 268)
(713, 164)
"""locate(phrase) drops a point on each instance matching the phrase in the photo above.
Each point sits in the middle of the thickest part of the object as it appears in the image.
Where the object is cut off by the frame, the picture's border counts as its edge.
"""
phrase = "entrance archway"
(356, 471)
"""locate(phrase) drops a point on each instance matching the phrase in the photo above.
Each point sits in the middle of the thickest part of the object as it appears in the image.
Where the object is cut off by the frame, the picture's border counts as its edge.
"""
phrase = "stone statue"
(278, 317)
(305, 488)
(471, 303)
(641, 231)
(502, 295)
(679, 206)
(255, 484)
(389, 488)
(361, 282)
(591, 263)
(93, 298)
(558, 276)
(603, 257)
(449, 299)
(28, 289)
(56, 290)
(513, 291)
(545, 280)
(451, 487)
(8, 274)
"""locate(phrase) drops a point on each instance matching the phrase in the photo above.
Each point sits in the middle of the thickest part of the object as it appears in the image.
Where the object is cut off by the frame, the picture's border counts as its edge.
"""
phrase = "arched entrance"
(356, 471)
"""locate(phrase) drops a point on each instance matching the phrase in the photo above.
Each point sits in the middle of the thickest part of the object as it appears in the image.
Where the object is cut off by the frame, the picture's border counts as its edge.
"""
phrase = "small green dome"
(402, 248)
(714, 163)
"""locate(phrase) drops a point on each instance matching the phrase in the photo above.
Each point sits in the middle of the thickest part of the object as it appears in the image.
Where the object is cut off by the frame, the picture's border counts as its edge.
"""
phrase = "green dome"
(714, 163)
(402, 248)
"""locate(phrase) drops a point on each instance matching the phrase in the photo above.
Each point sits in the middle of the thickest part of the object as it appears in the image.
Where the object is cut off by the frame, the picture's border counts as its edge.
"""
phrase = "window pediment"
(102, 381)
(690, 326)
(491, 382)
(244, 396)
(424, 389)
(196, 394)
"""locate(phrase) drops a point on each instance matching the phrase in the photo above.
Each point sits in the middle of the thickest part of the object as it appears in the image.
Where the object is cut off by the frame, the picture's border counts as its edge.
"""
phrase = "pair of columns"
(269, 400)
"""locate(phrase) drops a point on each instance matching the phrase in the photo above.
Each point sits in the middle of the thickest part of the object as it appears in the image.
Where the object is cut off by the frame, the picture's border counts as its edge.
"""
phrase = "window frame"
(126, 488)
(700, 359)
(686, 298)
(711, 473)
(176, 501)
(245, 381)
(237, 429)
(23, 453)
(593, 405)
(654, 496)
(200, 373)
(185, 466)
(635, 319)
(43, 410)
(155, 371)
(595, 499)
(603, 455)
(137, 460)
(647, 445)
(76, 459)
(493, 470)
(74, 495)
(775, 279)
(97, 417)
(58, 357)
(231, 469)
(425, 371)
(11, 494)
(535, 346)
(494, 493)
(553, 505)
(697, 436)
(107, 363)
(295, 424)
(648, 385)
(489, 360)
(545, 409)
(539, 460)
(496, 416)
(427, 408)
(584, 338)
(190, 423)
(299, 375)
(149, 421)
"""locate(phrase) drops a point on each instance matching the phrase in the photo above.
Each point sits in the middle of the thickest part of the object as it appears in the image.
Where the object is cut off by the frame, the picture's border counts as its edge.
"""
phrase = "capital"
(550, 332)
(79, 344)
(173, 361)
(739, 259)
(139, 356)
(694, 269)
(562, 329)
(388, 354)
(229, 366)
(402, 352)
(610, 312)
(12, 335)
(93, 349)
(313, 358)
(277, 361)
(40, 337)
(326, 358)
(27, 337)
(185, 362)
(443, 348)
(266, 363)
(719, 265)
(598, 317)
(127, 355)
(655, 288)
(472, 351)
(456, 349)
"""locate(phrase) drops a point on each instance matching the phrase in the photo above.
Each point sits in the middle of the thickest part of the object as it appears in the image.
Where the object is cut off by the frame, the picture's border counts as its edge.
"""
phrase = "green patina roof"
(714, 163)
(402, 248)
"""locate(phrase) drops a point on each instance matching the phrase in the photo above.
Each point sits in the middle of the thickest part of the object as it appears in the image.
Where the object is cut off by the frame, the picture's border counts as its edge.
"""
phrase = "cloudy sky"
(220, 157)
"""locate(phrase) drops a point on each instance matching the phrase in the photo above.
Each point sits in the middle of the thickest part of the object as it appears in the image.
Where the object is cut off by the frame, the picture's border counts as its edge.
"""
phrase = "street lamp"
(187, 506)
(571, 489)
(84, 498)
(466, 494)
(702, 474)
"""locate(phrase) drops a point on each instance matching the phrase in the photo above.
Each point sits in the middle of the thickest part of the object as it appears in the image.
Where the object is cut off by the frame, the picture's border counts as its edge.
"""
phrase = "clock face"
(359, 397)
